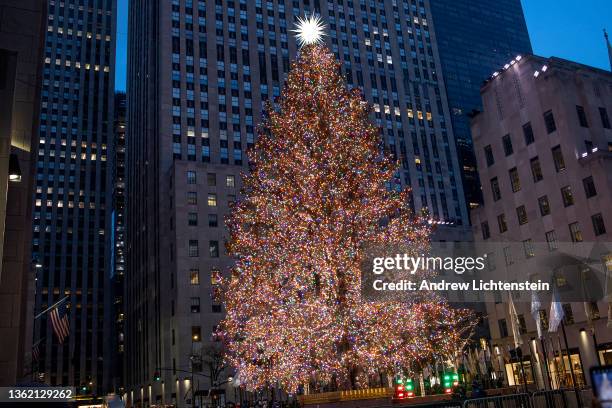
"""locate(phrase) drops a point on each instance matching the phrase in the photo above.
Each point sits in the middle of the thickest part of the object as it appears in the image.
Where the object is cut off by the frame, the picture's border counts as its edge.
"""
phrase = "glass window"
(503, 328)
(195, 305)
(558, 158)
(521, 213)
(212, 200)
(589, 187)
(544, 205)
(605, 121)
(508, 256)
(486, 234)
(528, 133)
(196, 333)
(211, 179)
(191, 177)
(507, 142)
(193, 249)
(495, 189)
(551, 238)
(489, 155)
(598, 224)
(575, 232)
(193, 219)
(192, 197)
(528, 248)
(536, 169)
(194, 276)
(549, 121)
(501, 222)
(566, 194)
(230, 181)
(582, 119)
(568, 317)
(213, 249)
(213, 220)
(514, 179)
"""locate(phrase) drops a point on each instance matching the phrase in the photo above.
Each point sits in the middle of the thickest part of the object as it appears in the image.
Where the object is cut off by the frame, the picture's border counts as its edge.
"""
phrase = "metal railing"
(501, 401)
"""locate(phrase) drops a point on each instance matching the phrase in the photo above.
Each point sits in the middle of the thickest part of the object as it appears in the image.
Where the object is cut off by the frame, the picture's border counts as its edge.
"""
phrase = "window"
(211, 179)
(193, 249)
(566, 194)
(191, 177)
(536, 169)
(605, 121)
(544, 205)
(195, 305)
(568, 313)
(575, 232)
(196, 333)
(486, 233)
(501, 222)
(528, 248)
(213, 249)
(521, 213)
(544, 319)
(582, 119)
(212, 200)
(528, 133)
(558, 158)
(508, 256)
(194, 276)
(598, 224)
(216, 308)
(213, 220)
(230, 181)
(503, 328)
(522, 324)
(192, 198)
(495, 189)
(589, 187)
(551, 238)
(593, 310)
(549, 121)
(489, 155)
(507, 142)
(514, 179)
(192, 219)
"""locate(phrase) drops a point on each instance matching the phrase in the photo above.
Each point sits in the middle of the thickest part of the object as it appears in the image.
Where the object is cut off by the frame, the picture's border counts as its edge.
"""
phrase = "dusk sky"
(562, 28)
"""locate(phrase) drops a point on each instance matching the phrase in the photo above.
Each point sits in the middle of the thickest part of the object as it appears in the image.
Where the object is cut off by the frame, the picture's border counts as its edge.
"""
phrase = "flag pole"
(51, 307)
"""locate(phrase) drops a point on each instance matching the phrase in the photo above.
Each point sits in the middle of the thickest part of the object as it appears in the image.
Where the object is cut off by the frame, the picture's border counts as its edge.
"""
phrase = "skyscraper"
(474, 39)
(197, 77)
(73, 191)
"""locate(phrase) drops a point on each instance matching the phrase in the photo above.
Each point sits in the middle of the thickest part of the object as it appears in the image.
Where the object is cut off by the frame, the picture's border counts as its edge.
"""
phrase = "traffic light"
(450, 380)
(156, 376)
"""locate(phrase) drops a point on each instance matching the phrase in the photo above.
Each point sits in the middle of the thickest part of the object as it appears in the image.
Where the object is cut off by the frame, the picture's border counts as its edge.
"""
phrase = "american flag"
(60, 322)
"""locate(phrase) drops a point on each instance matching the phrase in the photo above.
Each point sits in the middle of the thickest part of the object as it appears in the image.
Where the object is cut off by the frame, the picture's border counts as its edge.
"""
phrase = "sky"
(567, 29)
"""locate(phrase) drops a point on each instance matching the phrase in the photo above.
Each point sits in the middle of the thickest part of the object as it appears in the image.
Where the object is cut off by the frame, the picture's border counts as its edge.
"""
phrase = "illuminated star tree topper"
(309, 30)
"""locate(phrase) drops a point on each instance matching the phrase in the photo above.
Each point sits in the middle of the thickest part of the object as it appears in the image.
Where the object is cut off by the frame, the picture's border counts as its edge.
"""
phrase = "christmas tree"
(318, 193)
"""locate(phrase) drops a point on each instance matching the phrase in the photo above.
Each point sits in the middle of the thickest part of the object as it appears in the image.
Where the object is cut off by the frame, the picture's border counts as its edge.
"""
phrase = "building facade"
(117, 244)
(544, 150)
(198, 75)
(21, 40)
(73, 192)
(474, 39)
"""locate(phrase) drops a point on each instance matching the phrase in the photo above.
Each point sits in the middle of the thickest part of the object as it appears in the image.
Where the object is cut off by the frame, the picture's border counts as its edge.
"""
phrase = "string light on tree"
(309, 30)
(316, 197)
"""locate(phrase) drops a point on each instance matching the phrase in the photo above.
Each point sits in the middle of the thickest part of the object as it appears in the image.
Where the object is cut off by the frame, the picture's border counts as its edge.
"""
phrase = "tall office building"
(21, 40)
(474, 39)
(117, 244)
(198, 75)
(73, 191)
